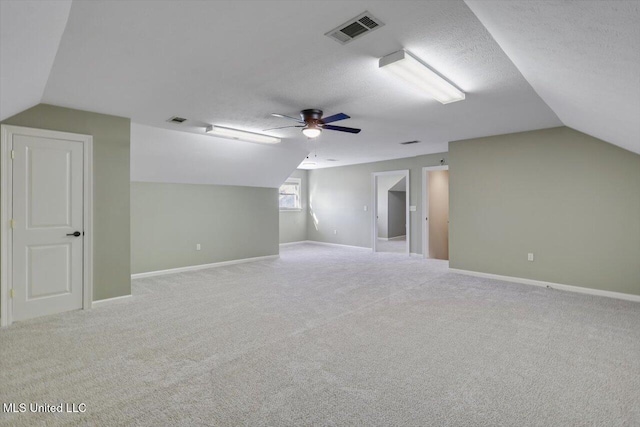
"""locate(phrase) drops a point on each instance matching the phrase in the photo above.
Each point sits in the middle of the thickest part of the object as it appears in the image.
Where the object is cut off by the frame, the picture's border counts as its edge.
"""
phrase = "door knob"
(76, 234)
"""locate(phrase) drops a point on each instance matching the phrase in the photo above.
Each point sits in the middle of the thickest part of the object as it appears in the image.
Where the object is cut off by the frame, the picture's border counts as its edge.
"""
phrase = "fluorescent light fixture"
(413, 71)
(311, 131)
(241, 135)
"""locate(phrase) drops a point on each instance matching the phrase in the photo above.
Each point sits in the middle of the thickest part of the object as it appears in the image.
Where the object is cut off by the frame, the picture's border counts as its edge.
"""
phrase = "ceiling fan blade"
(282, 116)
(284, 127)
(341, 128)
(335, 118)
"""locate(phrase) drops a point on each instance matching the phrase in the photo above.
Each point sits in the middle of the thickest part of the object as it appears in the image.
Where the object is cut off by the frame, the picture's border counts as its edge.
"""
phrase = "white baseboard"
(108, 301)
(569, 288)
(314, 242)
(336, 244)
(201, 266)
(386, 239)
(299, 242)
(392, 238)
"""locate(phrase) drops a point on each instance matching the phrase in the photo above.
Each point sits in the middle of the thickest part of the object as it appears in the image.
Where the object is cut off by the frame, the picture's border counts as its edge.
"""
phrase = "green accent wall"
(111, 152)
(571, 199)
(229, 222)
(337, 197)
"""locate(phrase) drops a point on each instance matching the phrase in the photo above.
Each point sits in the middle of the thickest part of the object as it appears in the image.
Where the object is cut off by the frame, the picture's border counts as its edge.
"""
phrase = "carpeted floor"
(331, 336)
(395, 245)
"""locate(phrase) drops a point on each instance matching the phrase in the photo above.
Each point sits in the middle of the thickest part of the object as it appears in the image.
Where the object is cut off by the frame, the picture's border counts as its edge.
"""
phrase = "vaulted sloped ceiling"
(582, 57)
(164, 155)
(30, 33)
(232, 63)
(400, 186)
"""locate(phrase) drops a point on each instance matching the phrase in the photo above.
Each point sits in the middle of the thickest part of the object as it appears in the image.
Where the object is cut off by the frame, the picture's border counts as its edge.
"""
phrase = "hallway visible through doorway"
(391, 212)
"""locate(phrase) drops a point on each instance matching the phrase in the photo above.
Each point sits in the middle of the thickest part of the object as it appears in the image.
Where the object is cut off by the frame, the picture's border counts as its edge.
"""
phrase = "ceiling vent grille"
(177, 120)
(409, 142)
(354, 28)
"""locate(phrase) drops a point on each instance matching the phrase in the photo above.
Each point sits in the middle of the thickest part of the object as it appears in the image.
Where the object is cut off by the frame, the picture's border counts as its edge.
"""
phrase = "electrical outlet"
(530, 256)
(198, 247)
(366, 208)
(335, 231)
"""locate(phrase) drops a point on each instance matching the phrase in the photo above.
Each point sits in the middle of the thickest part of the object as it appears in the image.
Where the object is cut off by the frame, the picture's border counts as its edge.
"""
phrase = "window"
(290, 195)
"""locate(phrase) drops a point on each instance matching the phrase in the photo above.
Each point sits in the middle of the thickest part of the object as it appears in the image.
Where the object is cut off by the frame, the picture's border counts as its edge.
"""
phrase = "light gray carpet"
(396, 245)
(329, 336)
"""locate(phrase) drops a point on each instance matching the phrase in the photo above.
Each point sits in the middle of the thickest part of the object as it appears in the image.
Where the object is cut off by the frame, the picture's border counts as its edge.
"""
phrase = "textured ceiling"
(582, 57)
(30, 32)
(232, 63)
(163, 155)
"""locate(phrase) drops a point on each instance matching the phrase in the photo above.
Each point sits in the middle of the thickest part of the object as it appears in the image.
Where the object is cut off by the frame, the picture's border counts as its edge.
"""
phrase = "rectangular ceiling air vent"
(176, 119)
(354, 28)
(409, 142)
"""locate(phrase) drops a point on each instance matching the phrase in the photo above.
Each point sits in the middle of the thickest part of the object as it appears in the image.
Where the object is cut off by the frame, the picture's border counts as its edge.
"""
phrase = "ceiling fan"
(312, 123)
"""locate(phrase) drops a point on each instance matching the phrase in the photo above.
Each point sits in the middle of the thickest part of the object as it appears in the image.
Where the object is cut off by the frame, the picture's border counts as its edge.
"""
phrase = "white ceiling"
(582, 57)
(388, 182)
(160, 155)
(233, 63)
(400, 186)
(30, 33)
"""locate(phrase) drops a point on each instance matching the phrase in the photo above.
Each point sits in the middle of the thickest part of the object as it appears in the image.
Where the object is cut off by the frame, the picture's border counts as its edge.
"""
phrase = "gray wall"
(293, 224)
(396, 209)
(571, 199)
(338, 196)
(230, 222)
(111, 151)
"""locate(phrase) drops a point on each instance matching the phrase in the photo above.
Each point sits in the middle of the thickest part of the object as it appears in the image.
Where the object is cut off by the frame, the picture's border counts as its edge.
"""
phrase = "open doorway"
(435, 212)
(391, 212)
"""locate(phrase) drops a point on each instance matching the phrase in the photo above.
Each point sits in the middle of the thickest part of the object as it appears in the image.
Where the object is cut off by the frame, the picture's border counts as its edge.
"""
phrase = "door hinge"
(11, 293)
(13, 154)
(12, 223)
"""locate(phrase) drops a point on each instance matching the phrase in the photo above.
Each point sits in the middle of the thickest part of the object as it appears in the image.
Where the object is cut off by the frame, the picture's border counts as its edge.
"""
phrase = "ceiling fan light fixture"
(409, 68)
(312, 122)
(312, 131)
(242, 135)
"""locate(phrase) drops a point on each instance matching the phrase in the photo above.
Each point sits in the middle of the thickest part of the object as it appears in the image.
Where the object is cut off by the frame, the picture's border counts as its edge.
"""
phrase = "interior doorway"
(46, 212)
(435, 212)
(391, 226)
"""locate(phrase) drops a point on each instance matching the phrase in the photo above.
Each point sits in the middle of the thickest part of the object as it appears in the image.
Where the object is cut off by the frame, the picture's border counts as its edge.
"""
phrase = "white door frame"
(374, 191)
(425, 205)
(6, 208)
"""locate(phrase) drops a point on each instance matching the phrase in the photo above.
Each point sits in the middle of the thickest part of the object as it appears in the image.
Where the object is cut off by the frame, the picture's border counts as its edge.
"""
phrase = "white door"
(48, 227)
